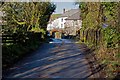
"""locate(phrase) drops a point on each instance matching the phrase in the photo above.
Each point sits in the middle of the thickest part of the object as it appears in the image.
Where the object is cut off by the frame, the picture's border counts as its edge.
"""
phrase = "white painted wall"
(57, 23)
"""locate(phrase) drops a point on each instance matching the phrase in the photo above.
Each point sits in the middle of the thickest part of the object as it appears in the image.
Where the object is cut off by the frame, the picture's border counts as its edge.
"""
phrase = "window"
(62, 20)
(61, 25)
(75, 22)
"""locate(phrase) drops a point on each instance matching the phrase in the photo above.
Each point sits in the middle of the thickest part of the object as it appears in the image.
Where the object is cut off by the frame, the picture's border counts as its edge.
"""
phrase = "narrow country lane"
(58, 60)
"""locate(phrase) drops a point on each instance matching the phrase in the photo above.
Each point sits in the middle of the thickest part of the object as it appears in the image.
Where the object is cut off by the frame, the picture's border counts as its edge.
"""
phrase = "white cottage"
(69, 21)
(58, 23)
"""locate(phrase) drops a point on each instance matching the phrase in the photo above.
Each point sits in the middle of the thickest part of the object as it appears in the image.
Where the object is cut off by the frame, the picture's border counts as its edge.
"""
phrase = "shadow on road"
(95, 66)
(52, 61)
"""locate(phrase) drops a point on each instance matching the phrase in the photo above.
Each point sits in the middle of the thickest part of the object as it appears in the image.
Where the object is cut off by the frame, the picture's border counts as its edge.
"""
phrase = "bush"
(14, 52)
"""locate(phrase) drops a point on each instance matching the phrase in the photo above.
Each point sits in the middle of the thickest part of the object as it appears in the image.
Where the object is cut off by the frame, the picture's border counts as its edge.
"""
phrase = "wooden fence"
(8, 38)
(91, 36)
(20, 38)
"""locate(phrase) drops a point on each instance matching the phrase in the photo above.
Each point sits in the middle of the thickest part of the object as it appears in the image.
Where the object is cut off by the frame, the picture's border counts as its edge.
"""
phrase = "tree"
(26, 16)
(103, 16)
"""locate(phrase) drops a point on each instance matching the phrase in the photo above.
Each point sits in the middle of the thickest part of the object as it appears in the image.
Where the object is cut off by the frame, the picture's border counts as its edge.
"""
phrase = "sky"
(60, 4)
(67, 5)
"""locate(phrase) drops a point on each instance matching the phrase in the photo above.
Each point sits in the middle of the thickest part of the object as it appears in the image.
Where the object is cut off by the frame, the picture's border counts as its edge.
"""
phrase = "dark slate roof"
(75, 16)
(69, 13)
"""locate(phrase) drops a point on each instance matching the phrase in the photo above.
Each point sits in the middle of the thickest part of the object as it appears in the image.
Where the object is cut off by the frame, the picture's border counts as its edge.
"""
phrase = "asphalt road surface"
(58, 60)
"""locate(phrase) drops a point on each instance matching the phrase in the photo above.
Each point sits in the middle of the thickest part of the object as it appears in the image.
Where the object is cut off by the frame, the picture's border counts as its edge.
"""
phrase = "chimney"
(64, 10)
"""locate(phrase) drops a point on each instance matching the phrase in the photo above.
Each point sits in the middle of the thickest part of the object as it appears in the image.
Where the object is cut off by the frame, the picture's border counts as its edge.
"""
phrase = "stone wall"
(71, 26)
